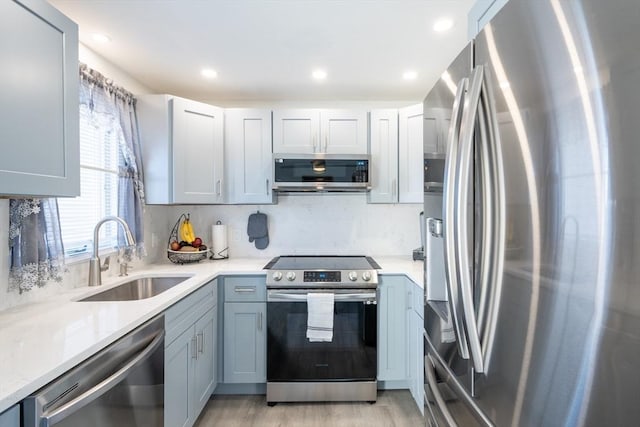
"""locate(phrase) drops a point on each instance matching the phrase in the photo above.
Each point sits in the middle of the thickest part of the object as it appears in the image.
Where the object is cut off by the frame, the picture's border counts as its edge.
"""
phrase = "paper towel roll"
(219, 245)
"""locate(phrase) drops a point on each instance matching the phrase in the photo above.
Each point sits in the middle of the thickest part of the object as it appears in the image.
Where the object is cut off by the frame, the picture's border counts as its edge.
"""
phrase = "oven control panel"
(322, 276)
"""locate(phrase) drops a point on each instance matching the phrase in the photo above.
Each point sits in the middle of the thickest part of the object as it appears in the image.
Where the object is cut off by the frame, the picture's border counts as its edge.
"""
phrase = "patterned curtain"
(101, 94)
(35, 243)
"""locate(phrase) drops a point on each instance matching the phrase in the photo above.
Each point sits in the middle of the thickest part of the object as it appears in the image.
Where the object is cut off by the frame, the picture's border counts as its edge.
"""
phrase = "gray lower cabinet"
(245, 342)
(10, 417)
(245, 329)
(190, 356)
(392, 331)
(39, 132)
(415, 349)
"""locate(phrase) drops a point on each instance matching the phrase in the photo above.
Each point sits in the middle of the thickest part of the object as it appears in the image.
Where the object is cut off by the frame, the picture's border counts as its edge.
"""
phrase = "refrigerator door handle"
(449, 377)
(463, 256)
(432, 383)
(449, 215)
(494, 218)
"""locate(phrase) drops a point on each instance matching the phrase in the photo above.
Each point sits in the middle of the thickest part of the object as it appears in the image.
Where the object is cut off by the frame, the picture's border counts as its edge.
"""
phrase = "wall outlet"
(236, 234)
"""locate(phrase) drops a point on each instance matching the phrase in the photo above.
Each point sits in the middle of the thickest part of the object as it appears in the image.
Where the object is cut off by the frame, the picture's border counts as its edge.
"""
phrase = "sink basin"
(142, 288)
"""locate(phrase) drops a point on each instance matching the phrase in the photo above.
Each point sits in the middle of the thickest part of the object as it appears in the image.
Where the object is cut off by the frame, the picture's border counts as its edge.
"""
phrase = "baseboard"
(258, 388)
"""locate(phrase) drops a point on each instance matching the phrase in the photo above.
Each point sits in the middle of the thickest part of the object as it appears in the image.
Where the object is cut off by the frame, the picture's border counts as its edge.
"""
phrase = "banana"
(186, 231)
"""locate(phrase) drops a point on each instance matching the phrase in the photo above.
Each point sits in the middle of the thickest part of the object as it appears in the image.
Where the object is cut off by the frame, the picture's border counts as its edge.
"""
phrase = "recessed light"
(209, 73)
(442, 25)
(409, 75)
(319, 74)
(100, 38)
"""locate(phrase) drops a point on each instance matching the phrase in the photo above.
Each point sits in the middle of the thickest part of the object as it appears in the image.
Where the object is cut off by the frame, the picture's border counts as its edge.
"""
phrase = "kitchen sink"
(142, 288)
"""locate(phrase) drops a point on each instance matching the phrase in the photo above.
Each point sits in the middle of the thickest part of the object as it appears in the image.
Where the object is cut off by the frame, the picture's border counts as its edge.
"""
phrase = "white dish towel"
(319, 317)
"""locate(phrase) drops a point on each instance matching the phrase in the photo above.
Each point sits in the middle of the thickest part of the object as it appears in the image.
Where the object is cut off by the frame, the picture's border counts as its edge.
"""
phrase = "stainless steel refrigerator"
(537, 319)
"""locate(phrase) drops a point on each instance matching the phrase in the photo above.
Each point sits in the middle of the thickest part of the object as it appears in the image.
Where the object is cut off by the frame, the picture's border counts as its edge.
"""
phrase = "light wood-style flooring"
(394, 408)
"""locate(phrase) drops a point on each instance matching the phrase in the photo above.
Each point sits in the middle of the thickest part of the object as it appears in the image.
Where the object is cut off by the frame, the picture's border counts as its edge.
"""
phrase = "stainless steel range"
(342, 367)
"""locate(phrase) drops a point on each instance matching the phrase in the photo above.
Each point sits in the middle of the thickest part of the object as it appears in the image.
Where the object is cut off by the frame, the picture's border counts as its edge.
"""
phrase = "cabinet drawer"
(185, 312)
(245, 288)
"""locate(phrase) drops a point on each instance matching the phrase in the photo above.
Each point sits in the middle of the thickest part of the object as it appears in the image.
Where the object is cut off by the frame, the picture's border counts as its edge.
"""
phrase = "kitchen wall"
(313, 224)
(303, 224)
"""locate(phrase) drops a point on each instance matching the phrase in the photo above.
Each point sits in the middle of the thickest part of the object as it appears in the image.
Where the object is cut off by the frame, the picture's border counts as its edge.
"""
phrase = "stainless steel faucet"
(95, 269)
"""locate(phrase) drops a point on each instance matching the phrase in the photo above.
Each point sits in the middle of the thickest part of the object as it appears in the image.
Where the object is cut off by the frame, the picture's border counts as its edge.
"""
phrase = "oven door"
(350, 356)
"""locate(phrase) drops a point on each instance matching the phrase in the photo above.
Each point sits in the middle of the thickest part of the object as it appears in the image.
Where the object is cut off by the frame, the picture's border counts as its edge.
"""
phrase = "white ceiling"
(265, 50)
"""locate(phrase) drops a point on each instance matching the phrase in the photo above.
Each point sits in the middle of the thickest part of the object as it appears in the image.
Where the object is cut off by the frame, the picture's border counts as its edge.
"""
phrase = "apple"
(197, 242)
(175, 246)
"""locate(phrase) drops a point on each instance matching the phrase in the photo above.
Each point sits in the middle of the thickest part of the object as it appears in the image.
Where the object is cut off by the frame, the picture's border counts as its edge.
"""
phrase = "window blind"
(100, 138)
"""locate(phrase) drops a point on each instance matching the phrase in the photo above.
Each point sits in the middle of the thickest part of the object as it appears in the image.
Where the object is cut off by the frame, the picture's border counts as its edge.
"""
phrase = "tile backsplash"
(303, 224)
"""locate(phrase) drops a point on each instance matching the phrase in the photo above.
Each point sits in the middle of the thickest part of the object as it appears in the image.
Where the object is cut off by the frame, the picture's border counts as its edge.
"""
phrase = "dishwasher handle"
(104, 386)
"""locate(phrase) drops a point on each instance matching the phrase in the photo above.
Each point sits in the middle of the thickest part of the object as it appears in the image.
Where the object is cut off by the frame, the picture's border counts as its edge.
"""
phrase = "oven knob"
(291, 276)
(366, 276)
(353, 276)
(277, 276)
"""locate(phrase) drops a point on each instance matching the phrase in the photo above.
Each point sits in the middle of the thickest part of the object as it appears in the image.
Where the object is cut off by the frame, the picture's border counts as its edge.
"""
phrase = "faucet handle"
(124, 268)
(105, 266)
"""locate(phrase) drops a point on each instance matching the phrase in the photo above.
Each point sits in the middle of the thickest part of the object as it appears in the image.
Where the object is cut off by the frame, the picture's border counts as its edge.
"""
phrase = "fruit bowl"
(180, 257)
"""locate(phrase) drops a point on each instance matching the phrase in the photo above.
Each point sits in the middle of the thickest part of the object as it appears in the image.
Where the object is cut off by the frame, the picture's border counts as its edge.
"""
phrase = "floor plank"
(394, 408)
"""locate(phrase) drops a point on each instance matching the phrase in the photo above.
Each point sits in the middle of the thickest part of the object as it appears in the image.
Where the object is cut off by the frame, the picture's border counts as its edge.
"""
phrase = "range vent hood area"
(320, 173)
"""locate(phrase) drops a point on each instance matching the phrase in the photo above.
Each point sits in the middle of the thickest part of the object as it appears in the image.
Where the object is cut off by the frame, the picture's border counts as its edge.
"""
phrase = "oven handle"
(369, 297)
(104, 386)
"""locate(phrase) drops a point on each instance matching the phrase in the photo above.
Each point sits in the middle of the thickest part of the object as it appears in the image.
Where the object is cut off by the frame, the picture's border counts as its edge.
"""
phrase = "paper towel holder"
(219, 244)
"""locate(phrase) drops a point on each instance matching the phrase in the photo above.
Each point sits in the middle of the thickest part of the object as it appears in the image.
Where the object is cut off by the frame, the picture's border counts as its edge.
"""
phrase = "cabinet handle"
(219, 187)
(259, 321)
(314, 143)
(194, 350)
(267, 187)
(409, 295)
(326, 143)
(245, 289)
(200, 341)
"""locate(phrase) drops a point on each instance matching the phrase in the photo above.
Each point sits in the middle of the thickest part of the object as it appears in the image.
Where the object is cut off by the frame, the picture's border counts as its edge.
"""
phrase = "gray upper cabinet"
(383, 169)
(410, 155)
(309, 131)
(247, 140)
(183, 150)
(39, 116)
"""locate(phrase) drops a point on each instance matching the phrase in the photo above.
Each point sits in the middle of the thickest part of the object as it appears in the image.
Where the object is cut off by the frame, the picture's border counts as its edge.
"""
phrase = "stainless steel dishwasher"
(122, 385)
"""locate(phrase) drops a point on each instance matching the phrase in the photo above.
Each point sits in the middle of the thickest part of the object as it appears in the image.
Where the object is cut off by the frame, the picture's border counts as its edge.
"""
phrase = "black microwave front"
(320, 173)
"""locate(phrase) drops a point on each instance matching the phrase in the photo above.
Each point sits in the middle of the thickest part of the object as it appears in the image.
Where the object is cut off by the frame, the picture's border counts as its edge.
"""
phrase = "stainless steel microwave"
(320, 173)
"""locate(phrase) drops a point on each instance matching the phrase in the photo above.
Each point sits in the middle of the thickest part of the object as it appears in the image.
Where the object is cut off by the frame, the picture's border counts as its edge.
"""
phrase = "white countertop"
(43, 340)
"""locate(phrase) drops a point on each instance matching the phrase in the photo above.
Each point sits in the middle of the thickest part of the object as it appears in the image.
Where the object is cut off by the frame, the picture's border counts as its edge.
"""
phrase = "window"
(100, 138)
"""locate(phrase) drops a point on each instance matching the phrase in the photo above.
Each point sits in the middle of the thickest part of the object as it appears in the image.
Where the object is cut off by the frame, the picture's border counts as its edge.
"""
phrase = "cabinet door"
(383, 169)
(343, 132)
(198, 152)
(39, 131)
(245, 342)
(392, 331)
(204, 379)
(248, 153)
(415, 349)
(410, 155)
(178, 377)
(296, 131)
(10, 417)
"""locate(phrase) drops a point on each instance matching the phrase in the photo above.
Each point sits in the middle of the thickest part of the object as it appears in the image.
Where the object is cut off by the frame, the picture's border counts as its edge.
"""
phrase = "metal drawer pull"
(246, 289)
(200, 341)
(194, 348)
